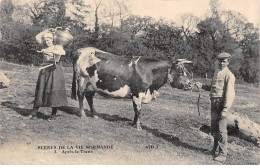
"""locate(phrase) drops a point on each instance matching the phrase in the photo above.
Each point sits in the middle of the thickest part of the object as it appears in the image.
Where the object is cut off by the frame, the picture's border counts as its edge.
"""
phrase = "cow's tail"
(74, 79)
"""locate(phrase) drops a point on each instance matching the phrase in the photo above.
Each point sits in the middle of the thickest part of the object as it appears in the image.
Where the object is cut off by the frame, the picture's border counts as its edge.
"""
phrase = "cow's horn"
(184, 61)
(187, 62)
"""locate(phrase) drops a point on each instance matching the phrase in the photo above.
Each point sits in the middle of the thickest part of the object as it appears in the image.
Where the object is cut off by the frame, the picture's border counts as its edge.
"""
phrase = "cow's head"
(178, 75)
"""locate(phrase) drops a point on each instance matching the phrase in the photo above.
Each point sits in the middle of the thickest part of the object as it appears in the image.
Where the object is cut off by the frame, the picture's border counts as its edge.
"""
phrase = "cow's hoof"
(51, 118)
(139, 128)
(32, 117)
(95, 116)
(83, 117)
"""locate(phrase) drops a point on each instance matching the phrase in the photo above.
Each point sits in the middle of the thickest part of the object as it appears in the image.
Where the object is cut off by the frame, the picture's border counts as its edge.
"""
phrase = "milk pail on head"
(62, 36)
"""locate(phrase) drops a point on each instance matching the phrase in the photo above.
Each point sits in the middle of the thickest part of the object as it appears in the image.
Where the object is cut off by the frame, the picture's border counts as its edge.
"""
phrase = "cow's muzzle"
(188, 86)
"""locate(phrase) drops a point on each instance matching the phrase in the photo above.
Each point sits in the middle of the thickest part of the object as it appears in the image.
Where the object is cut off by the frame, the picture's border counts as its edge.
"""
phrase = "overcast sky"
(172, 9)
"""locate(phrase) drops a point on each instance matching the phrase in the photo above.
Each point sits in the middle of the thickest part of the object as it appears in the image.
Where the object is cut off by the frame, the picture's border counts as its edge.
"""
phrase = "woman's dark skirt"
(50, 89)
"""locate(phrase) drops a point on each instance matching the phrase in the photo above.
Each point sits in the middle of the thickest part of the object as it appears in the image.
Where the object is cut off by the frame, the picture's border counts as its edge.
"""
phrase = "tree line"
(199, 40)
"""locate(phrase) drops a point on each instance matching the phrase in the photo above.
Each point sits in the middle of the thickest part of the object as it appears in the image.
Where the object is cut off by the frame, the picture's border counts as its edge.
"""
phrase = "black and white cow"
(138, 78)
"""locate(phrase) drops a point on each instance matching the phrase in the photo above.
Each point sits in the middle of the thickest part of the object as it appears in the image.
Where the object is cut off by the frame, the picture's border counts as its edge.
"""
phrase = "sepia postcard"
(129, 82)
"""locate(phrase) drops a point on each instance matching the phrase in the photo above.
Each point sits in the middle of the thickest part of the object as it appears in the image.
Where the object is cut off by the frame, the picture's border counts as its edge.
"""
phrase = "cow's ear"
(188, 62)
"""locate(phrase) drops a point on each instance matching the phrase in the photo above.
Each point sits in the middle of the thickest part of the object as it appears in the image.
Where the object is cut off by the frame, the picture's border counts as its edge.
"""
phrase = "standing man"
(222, 96)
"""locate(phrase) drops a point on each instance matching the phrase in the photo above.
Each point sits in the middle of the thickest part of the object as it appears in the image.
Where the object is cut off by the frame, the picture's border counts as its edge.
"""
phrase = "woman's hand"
(42, 51)
(45, 51)
(39, 51)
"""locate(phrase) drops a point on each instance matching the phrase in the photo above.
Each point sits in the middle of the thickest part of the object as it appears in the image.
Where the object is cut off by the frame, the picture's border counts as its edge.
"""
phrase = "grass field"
(171, 128)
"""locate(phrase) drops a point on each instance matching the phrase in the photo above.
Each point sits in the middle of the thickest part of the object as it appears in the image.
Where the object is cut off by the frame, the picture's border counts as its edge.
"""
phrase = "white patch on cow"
(148, 97)
(138, 100)
(122, 92)
(86, 59)
(93, 79)
(137, 60)
(98, 50)
(170, 76)
(130, 64)
(82, 84)
(184, 73)
(155, 94)
(114, 78)
(121, 66)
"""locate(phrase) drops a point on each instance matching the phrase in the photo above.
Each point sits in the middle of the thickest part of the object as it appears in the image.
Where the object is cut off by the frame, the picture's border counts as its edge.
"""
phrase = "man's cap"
(223, 55)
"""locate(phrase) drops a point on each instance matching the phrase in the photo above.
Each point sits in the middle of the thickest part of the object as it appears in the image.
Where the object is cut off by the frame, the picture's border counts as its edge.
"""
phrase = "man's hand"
(225, 109)
(224, 112)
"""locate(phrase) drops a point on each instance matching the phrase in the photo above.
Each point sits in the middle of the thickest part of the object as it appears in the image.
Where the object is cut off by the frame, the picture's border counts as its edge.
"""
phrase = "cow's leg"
(89, 96)
(82, 113)
(137, 103)
(81, 91)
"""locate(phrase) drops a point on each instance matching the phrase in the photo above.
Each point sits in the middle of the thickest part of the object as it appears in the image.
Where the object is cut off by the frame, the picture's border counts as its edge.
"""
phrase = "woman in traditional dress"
(50, 89)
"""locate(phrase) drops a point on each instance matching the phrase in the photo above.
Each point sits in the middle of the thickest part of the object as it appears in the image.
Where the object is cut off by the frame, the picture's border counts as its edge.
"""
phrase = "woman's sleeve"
(59, 50)
(39, 36)
(55, 50)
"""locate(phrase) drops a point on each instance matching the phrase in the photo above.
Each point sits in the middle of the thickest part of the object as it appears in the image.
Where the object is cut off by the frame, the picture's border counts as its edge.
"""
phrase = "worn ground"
(171, 128)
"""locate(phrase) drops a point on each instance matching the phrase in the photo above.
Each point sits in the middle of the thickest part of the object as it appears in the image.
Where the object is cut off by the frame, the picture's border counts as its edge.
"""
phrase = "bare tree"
(116, 11)
(123, 11)
(188, 23)
(97, 5)
(215, 8)
(111, 12)
(234, 23)
(48, 13)
(79, 9)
